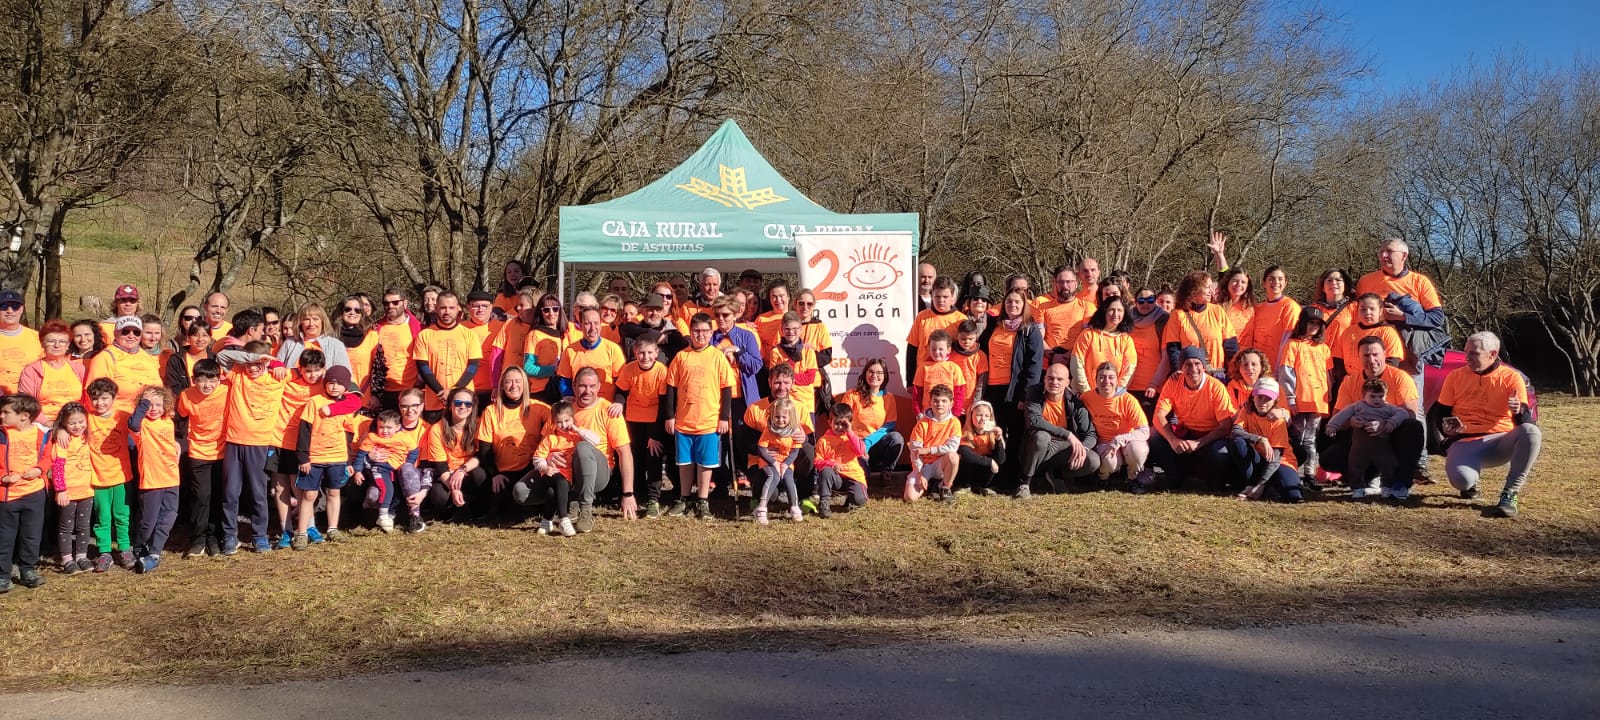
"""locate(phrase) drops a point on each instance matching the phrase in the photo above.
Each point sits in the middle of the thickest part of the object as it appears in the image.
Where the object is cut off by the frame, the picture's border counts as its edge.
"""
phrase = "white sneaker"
(566, 528)
(386, 522)
(761, 516)
(544, 527)
(796, 514)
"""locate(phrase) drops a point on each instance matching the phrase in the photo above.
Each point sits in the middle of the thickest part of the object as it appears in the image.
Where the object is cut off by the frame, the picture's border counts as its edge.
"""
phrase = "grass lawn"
(1092, 562)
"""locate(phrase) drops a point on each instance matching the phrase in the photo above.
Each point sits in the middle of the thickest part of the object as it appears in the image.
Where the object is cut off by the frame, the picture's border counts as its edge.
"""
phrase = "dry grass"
(1088, 563)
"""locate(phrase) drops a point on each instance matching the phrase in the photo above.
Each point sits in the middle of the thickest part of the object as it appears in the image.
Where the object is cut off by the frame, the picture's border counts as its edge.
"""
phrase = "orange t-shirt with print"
(699, 376)
(158, 454)
(1310, 362)
(1119, 414)
(206, 414)
(1482, 401)
(932, 433)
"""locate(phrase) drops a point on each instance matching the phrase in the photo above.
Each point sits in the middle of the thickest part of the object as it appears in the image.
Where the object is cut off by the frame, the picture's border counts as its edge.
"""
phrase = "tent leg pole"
(561, 279)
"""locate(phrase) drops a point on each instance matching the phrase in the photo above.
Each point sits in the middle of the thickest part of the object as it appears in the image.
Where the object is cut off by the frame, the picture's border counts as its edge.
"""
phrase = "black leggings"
(647, 468)
(554, 491)
(475, 488)
(72, 528)
(206, 506)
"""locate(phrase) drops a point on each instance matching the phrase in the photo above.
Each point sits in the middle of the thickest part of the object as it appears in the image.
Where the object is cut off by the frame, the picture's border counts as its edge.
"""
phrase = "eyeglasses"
(130, 331)
(1146, 300)
(349, 310)
(802, 303)
(411, 407)
(665, 296)
(189, 318)
(461, 403)
(724, 314)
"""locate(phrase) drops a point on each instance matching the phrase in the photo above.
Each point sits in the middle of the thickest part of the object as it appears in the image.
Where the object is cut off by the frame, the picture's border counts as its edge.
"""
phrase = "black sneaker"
(679, 508)
(702, 509)
(415, 525)
(196, 549)
(5, 585)
(30, 579)
(824, 510)
(1470, 493)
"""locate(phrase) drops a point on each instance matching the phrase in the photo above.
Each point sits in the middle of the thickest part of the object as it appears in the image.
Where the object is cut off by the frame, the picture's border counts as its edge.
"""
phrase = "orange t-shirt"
(1116, 415)
(780, 447)
(805, 396)
(931, 433)
(58, 386)
(1095, 346)
(296, 393)
(546, 349)
(396, 340)
(699, 375)
(130, 371)
(927, 322)
(1002, 345)
(1148, 350)
(206, 414)
(839, 449)
(1335, 323)
(399, 444)
(932, 374)
(613, 431)
(330, 436)
(16, 351)
(815, 332)
(513, 433)
(644, 389)
(1274, 429)
(971, 367)
(158, 454)
(1272, 322)
(1411, 283)
(981, 443)
(1480, 401)
(361, 360)
(606, 359)
(560, 443)
(1201, 409)
(77, 480)
(1310, 363)
(434, 448)
(1402, 389)
(253, 407)
(483, 381)
(1214, 326)
(1350, 345)
(108, 449)
(512, 340)
(769, 325)
(1238, 314)
(866, 416)
(23, 452)
(755, 418)
(1063, 321)
(447, 352)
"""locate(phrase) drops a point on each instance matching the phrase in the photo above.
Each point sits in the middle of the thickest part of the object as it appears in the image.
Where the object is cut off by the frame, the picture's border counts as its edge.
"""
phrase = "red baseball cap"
(127, 292)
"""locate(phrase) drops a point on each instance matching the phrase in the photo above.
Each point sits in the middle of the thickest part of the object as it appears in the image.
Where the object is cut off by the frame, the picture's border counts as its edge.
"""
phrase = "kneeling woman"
(450, 451)
(1273, 473)
(1122, 431)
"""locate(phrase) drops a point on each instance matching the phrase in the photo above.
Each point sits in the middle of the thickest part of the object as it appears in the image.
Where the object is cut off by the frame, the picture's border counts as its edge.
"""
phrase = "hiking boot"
(299, 541)
(285, 541)
(761, 516)
(566, 528)
(585, 521)
(415, 524)
(335, 535)
(197, 548)
(652, 510)
(544, 526)
(1470, 493)
(1422, 476)
(702, 509)
(823, 509)
(149, 563)
(1507, 508)
(30, 578)
(679, 508)
(314, 537)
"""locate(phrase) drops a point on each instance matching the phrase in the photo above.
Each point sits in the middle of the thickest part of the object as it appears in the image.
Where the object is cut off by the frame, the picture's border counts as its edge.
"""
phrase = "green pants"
(111, 512)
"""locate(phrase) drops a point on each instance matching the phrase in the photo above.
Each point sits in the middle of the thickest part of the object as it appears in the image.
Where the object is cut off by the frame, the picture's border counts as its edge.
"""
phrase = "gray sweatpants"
(590, 472)
(1518, 449)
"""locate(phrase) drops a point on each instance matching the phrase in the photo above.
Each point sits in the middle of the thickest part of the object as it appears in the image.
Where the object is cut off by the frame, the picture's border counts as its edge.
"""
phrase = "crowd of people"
(284, 429)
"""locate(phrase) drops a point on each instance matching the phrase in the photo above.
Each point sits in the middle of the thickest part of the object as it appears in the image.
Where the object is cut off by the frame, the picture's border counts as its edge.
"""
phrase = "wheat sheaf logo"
(734, 192)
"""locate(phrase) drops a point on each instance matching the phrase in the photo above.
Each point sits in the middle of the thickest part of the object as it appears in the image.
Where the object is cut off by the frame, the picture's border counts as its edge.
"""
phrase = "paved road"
(1536, 666)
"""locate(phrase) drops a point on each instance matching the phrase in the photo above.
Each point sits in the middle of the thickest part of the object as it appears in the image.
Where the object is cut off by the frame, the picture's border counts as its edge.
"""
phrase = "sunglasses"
(665, 296)
(394, 302)
(461, 403)
(411, 407)
(130, 331)
(802, 303)
(190, 318)
(11, 307)
(1146, 300)
(352, 310)
(550, 309)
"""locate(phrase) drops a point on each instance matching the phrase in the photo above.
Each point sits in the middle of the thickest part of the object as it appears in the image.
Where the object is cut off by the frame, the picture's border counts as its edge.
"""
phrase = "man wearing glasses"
(397, 331)
(19, 345)
(124, 363)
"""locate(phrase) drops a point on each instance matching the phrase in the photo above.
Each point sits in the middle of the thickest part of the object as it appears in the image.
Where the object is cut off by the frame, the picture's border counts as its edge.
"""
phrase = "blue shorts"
(323, 476)
(703, 450)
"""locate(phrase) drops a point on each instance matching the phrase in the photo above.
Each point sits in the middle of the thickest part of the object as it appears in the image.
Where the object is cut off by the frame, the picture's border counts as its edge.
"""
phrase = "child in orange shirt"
(322, 447)
(840, 464)
(22, 496)
(403, 451)
(203, 404)
(72, 479)
(807, 374)
(779, 447)
(551, 483)
(156, 437)
(983, 448)
(108, 454)
(1265, 428)
(938, 370)
(935, 442)
(974, 363)
(1305, 385)
(640, 387)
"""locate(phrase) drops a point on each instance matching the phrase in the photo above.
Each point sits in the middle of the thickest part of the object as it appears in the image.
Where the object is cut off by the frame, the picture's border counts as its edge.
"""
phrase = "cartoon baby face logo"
(873, 267)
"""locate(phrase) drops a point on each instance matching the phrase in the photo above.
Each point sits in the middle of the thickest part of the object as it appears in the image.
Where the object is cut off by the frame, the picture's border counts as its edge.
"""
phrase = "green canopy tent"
(723, 205)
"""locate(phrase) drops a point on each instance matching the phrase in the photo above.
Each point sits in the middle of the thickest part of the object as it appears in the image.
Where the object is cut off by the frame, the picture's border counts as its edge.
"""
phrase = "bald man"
(926, 274)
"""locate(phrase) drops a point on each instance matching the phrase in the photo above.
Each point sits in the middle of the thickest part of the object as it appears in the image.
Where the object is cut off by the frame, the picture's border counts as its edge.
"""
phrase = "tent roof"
(724, 206)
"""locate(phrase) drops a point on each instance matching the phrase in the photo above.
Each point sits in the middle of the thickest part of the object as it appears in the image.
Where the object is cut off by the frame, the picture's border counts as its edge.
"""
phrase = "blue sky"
(1412, 42)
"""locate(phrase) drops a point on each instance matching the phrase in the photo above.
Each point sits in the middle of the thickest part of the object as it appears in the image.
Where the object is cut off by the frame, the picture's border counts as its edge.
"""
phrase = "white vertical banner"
(866, 288)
